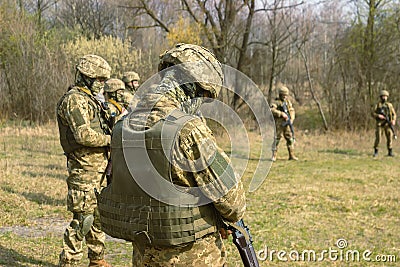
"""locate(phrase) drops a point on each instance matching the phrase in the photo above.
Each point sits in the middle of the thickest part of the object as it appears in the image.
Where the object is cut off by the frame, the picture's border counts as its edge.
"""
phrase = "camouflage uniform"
(277, 109)
(208, 250)
(386, 109)
(114, 99)
(131, 80)
(82, 135)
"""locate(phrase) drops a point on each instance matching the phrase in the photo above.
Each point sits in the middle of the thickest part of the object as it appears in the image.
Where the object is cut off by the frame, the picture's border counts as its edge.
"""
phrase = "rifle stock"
(289, 120)
(388, 121)
(243, 241)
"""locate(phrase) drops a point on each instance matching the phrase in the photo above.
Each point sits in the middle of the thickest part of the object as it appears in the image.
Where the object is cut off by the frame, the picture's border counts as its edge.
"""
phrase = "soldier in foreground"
(284, 115)
(84, 137)
(385, 117)
(169, 234)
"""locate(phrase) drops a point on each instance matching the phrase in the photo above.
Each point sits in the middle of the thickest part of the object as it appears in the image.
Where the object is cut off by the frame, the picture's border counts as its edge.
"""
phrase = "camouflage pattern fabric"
(94, 66)
(115, 109)
(209, 251)
(126, 98)
(203, 66)
(277, 112)
(85, 167)
(381, 125)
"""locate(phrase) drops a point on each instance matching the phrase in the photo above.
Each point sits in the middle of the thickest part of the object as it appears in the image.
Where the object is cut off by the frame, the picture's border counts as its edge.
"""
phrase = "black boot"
(390, 152)
(375, 152)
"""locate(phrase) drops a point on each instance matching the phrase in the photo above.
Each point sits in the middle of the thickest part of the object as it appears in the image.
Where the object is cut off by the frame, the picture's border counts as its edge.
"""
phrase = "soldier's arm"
(275, 111)
(291, 111)
(374, 113)
(393, 111)
(229, 200)
(78, 117)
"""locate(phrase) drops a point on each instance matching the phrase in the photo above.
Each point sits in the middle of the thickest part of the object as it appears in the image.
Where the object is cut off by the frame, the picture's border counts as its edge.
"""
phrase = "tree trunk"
(314, 97)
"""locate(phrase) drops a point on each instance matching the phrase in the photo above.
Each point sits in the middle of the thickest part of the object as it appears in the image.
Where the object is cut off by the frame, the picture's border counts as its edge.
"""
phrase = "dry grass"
(336, 190)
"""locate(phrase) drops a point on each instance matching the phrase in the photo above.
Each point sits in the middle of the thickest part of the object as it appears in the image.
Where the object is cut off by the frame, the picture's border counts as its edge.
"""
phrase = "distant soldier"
(131, 80)
(284, 115)
(114, 98)
(85, 138)
(385, 116)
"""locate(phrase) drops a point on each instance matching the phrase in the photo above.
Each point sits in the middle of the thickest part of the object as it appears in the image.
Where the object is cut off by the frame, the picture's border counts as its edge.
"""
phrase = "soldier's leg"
(95, 238)
(377, 140)
(72, 241)
(279, 133)
(389, 140)
(289, 143)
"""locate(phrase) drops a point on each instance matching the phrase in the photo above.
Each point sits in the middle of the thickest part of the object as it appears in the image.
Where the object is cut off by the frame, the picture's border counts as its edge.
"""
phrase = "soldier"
(113, 89)
(169, 234)
(282, 109)
(85, 138)
(131, 80)
(385, 116)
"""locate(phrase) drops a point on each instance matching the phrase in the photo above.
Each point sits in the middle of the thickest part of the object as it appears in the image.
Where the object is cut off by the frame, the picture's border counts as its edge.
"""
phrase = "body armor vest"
(384, 109)
(128, 212)
(67, 138)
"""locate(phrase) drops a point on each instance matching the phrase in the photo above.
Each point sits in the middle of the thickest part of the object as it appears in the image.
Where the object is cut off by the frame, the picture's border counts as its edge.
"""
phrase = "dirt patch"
(43, 226)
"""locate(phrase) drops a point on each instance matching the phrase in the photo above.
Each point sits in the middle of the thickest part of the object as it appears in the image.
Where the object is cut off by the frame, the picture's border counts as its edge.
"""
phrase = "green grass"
(336, 190)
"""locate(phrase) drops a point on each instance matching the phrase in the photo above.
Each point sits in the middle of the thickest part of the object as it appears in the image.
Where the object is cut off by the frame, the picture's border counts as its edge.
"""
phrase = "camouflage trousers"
(208, 251)
(388, 133)
(286, 133)
(82, 202)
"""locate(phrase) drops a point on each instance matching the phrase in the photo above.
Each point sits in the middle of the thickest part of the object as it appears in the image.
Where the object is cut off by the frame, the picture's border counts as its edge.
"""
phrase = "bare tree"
(93, 18)
(278, 38)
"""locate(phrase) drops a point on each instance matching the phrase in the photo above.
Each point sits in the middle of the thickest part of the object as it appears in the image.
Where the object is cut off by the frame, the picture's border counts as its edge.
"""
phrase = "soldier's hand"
(224, 233)
(124, 112)
(284, 116)
(380, 116)
(393, 122)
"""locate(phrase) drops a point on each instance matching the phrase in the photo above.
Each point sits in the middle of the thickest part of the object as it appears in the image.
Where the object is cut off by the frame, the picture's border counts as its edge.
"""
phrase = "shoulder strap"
(116, 104)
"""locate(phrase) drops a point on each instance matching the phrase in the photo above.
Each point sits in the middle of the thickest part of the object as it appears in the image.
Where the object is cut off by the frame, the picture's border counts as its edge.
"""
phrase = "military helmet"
(130, 76)
(384, 93)
(283, 90)
(112, 85)
(206, 70)
(94, 66)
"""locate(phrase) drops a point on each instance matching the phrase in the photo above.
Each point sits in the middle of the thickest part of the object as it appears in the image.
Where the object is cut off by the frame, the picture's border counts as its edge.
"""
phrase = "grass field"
(336, 191)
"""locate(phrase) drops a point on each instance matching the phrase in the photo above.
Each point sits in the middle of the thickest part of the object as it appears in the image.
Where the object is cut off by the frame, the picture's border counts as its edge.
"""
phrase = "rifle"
(387, 120)
(243, 241)
(289, 120)
(107, 172)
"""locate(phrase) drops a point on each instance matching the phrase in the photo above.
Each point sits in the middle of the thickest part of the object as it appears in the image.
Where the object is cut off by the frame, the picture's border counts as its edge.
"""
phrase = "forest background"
(335, 56)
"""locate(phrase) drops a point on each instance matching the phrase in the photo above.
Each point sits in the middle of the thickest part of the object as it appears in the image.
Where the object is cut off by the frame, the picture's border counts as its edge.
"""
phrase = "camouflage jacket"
(165, 98)
(81, 114)
(385, 109)
(277, 109)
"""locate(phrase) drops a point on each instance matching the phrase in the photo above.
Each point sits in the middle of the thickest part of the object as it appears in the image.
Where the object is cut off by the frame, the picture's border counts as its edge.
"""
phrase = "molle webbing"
(126, 217)
(128, 212)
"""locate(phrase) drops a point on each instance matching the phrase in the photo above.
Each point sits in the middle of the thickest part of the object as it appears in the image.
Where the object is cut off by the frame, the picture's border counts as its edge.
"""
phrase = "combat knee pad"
(82, 224)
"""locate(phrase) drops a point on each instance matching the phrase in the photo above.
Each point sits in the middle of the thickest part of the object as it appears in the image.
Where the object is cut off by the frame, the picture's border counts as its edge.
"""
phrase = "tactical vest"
(128, 212)
(67, 138)
(384, 109)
